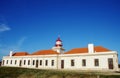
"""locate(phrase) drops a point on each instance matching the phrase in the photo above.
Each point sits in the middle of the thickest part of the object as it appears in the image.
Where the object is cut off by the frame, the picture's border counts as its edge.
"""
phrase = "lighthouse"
(58, 46)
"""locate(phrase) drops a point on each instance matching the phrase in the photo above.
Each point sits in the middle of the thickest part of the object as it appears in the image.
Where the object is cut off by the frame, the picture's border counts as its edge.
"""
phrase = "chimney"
(90, 48)
(11, 52)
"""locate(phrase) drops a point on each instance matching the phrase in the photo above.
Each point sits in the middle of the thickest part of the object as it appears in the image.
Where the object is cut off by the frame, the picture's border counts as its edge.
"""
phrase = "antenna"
(58, 35)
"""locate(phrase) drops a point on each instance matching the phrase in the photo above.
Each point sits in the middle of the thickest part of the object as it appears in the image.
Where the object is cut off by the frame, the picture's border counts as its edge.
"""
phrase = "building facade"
(88, 58)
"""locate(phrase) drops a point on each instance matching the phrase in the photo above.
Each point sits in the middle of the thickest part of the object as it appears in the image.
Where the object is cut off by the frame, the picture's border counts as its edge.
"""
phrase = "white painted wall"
(103, 61)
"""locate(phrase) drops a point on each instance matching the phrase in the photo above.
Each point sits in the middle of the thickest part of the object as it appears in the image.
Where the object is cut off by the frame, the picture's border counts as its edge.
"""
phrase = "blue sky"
(32, 25)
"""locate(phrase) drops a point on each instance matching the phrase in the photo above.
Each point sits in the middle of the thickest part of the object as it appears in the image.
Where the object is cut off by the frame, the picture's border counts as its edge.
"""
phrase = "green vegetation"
(14, 72)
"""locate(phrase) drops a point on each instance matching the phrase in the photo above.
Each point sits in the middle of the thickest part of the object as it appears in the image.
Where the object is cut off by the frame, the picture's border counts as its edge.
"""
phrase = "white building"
(89, 58)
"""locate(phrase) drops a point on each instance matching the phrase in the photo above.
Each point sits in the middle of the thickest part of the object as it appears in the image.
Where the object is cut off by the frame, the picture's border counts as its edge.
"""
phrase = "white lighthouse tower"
(58, 46)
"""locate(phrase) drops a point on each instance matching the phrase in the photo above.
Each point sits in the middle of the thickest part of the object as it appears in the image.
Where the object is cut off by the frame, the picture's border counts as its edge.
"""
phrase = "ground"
(14, 72)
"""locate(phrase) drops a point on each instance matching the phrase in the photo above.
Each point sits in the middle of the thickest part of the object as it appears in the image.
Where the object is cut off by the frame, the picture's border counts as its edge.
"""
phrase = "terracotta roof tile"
(101, 49)
(20, 54)
(77, 50)
(85, 50)
(44, 52)
(73, 51)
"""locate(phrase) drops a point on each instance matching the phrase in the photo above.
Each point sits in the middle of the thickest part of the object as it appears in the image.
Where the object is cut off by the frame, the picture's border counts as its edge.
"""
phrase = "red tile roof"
(85, 50)
(77, 50)
(44, 52)
(73, 51)
(20, 54)
(101, 49)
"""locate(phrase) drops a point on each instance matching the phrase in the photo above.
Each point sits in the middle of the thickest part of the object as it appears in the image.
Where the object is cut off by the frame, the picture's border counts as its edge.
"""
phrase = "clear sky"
(32, 25)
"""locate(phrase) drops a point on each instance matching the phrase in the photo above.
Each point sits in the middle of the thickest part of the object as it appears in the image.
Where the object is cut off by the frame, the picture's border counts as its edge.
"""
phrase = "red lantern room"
(58, 42)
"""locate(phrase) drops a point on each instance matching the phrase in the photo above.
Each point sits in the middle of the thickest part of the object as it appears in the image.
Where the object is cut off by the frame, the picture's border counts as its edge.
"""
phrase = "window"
(24, 62)
(46, 62)
(28, 62)
(15, 61)
(3, 62)
(11, 62)
(110, 60)
(62, 64)
(96, 62)
(40, 62)
(83, 62)
(7, 62)
(20, 63)
(72, 62)
(52, 62)
(33, 62)
(36, 63)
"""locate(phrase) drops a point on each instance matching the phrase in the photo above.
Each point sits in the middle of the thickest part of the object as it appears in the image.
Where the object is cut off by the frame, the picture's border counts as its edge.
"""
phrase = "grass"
(14, 72)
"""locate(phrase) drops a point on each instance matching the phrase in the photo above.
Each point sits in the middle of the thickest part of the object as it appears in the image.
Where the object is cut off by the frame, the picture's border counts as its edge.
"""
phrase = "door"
(36, 63)
(20, 63)
(110, 63)
(62, 64)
